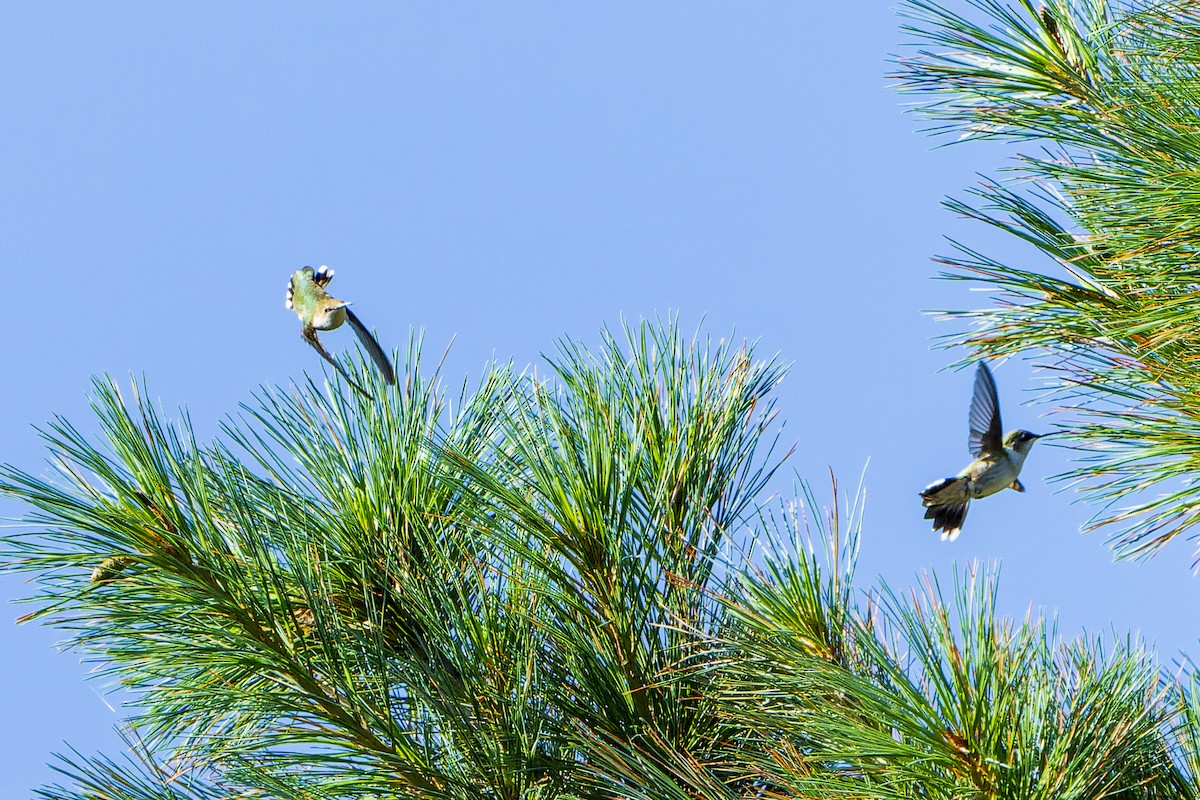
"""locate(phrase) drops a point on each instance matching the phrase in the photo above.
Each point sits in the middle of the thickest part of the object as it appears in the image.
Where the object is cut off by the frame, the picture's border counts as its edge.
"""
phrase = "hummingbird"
(996, 466)
(318, 311)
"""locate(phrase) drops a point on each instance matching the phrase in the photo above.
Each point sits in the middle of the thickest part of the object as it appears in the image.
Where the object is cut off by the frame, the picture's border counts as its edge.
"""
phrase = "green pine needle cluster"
(1099, 99)
(568, 586)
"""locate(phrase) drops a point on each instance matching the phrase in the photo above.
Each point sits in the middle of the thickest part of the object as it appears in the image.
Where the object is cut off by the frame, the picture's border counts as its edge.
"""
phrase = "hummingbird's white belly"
(992, 481)
(328, 320)
(986, 478)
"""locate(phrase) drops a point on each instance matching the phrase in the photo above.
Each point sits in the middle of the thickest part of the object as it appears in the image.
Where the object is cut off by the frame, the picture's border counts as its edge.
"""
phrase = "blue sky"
(504, 175)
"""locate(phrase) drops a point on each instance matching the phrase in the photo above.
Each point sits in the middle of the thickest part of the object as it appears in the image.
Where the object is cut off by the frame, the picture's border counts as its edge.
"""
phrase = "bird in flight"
(997, 463)
(318, 311)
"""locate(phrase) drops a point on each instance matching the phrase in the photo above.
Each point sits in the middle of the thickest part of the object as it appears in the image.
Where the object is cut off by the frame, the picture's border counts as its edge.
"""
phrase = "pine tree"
(569, 587)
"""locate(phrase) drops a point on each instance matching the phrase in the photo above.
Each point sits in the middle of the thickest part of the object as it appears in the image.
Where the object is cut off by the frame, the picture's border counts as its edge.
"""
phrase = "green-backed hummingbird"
(318, 311)
(997, 463)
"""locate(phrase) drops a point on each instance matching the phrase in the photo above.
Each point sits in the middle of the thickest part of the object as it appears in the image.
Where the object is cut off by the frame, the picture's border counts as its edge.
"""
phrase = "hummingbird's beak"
(1046, 435)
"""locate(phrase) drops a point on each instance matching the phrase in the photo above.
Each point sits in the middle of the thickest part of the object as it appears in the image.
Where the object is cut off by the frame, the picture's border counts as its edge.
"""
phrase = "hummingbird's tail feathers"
(372, 345)
(948, 519)
(322, 276)
(946, 504)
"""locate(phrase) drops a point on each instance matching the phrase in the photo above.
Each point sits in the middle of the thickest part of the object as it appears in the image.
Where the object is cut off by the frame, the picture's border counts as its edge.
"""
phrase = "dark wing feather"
(987, 437)
(309, 334)
(373, 349)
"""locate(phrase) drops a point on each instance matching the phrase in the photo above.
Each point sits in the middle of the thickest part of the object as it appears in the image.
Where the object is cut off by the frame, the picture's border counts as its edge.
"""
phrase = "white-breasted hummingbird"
(997, 463)
(318, 311)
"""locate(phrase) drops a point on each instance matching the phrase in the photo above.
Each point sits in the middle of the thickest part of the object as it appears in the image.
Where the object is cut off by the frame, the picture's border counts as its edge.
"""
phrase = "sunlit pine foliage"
(573, 584)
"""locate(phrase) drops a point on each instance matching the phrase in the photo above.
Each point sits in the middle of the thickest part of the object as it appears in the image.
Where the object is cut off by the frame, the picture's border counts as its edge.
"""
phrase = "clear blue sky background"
(507, 174)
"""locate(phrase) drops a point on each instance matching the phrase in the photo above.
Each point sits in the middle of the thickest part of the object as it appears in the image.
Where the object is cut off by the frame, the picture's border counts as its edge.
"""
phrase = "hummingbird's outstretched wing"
(309, 334)
(372, 344)
(987, 436)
